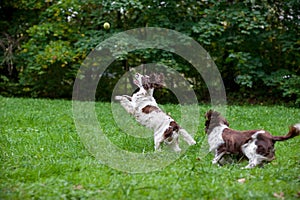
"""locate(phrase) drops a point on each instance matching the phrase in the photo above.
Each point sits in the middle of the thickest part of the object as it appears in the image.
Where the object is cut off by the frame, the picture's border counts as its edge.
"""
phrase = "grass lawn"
(42, 157)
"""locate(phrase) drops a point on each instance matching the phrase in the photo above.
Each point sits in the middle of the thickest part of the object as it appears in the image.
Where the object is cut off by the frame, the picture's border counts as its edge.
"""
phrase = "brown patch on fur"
(173, 127)
(148, 109)
(234, 140)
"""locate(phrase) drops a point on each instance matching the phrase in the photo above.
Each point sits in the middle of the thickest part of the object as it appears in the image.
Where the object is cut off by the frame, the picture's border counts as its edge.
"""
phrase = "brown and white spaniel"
(144, 108)
(256, 145)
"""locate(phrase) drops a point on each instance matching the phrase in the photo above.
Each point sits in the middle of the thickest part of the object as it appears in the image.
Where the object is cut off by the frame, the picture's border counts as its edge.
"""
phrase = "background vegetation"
(255, 43)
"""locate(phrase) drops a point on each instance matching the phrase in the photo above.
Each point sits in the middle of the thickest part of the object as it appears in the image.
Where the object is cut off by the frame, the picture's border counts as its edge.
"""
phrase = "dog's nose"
(137, 75)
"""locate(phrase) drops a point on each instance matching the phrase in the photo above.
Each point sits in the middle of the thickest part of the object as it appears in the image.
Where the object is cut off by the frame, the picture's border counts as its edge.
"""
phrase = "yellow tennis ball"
(106, 25)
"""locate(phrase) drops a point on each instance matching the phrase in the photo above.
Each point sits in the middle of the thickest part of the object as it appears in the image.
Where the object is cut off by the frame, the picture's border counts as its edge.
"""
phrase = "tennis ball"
(106, 25)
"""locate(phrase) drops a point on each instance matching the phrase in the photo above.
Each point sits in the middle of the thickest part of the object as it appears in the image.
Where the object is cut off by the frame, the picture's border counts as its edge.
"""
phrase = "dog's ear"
(220, 118)
(152, 78)
(146, 82)
(208, 114)
(207, 120)
(207, 117)
(212, 115)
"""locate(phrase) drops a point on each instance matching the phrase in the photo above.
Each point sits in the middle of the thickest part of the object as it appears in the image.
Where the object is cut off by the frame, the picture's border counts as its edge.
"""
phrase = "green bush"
(248, 40)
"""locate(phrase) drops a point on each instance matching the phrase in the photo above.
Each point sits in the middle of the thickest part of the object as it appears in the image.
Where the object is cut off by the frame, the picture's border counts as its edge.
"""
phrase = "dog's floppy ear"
(220, 118)
(146, 83)
(208, 114)
(152, 78)
(212, 116)
(207, 120)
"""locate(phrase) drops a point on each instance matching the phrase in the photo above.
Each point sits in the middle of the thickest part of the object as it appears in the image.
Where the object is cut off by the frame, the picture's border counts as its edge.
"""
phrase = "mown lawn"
(42, 157)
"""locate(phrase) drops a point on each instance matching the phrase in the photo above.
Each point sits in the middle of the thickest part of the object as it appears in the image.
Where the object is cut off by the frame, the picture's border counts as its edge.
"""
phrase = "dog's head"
(212, 120)
(153, 81)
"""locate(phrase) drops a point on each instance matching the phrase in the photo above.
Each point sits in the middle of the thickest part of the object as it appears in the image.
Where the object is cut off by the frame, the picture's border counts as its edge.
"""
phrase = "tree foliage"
(255, 44)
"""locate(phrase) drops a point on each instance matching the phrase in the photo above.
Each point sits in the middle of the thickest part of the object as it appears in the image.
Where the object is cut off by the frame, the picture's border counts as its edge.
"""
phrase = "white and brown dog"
(256, 145)
(144, 108)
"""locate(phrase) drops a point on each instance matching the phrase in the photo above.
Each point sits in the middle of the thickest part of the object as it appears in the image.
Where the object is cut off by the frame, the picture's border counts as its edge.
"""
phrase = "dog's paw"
(119, 98)
(193, 142)
(177, 150)
(214, 161)
(249, 166)
(158, 149)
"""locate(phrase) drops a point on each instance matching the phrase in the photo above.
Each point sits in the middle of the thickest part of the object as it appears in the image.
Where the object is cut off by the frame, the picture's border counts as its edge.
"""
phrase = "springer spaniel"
(144, 108)
(256, 145)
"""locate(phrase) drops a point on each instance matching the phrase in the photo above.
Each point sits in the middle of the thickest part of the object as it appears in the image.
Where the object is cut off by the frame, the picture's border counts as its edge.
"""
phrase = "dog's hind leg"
(187, 137)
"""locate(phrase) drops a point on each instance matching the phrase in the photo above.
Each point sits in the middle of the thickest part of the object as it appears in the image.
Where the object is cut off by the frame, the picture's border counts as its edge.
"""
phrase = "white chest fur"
(215, 137)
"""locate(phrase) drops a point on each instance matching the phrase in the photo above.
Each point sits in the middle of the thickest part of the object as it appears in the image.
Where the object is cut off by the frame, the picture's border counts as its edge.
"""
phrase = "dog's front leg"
(157, 143)
(187, 137)
(249, 166)
(253, 162)
(218, 156)
(126, 102)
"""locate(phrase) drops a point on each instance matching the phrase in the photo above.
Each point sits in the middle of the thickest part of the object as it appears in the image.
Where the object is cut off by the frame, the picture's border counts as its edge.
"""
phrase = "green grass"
(42, 157)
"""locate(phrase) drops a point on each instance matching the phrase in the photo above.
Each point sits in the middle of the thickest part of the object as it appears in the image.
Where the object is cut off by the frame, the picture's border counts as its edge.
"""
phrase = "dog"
(256, 145)
(144, 108)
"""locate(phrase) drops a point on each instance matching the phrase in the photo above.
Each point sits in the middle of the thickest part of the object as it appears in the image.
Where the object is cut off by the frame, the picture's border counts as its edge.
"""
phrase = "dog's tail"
(186, 136)
(293, 132)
